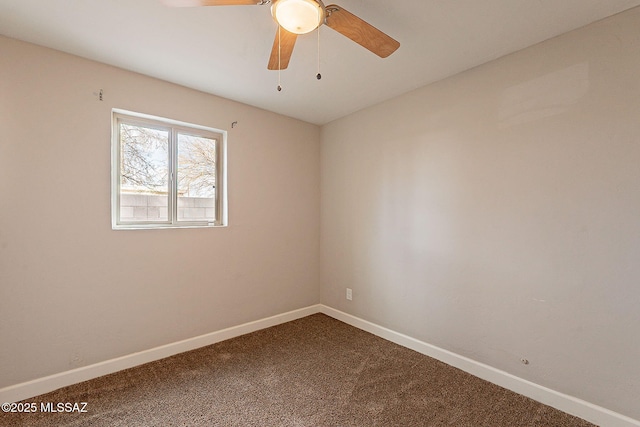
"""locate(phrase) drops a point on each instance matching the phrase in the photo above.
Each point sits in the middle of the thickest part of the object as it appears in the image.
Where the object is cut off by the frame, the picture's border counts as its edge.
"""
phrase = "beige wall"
(496, 214)
(74, 292)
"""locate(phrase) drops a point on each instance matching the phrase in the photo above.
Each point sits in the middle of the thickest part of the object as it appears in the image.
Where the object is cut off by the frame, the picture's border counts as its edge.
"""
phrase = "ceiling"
(224, 50)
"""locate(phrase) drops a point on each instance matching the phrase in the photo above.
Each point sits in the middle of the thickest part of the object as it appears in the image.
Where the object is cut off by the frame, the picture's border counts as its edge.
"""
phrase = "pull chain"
(319, 76)
(279, 68)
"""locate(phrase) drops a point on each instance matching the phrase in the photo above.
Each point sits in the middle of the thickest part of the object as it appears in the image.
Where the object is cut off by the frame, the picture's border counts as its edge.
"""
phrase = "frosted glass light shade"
(297, 16)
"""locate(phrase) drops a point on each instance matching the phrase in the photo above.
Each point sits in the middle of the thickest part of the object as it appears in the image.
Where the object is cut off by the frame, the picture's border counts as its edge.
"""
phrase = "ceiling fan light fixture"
(298, 16)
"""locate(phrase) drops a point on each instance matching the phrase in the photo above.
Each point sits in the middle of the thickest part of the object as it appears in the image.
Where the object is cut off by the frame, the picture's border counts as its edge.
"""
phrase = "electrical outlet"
(349, 294)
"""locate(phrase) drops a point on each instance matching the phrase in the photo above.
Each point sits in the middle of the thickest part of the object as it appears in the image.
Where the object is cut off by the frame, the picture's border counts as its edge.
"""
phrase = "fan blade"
(361, 32)
(193, 3)
(285, 41)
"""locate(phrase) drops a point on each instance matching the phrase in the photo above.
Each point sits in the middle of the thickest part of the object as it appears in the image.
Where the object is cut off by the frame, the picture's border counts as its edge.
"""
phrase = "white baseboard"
(44, 385)
(569, 404)
(580, 408)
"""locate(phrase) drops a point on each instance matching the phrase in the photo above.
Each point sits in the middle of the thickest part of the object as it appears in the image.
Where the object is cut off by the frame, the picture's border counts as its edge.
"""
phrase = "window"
(166, 173)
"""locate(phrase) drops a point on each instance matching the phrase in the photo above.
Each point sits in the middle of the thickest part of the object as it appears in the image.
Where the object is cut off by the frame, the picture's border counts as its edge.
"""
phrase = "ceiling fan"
(296, 17)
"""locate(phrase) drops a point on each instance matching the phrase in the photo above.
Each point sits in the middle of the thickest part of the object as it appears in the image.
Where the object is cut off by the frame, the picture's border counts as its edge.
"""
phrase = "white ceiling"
(224, 50)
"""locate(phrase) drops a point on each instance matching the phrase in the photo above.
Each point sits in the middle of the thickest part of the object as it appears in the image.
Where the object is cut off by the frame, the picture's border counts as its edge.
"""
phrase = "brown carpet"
(315, 371)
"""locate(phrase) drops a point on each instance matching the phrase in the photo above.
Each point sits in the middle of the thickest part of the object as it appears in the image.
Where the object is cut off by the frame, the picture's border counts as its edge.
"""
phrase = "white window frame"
(173, 127)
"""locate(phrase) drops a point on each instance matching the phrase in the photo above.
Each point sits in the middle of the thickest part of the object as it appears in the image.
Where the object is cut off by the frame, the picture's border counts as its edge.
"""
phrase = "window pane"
(196, 178)
(144, 174)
